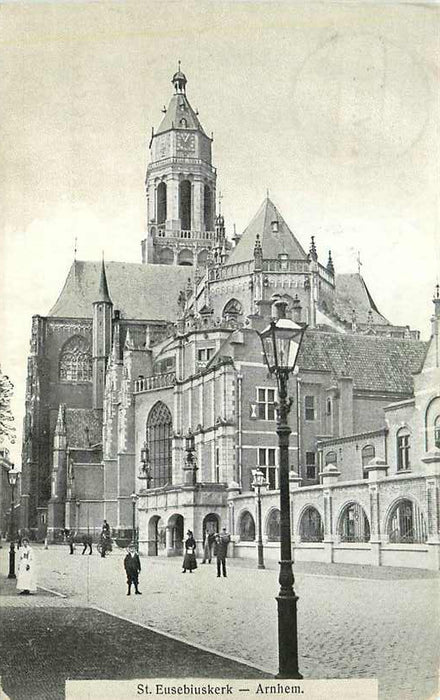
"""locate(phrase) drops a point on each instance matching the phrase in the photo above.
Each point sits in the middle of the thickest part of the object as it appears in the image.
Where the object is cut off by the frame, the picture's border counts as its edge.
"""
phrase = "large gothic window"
(76, 360)
(185, 205)
(159, 441)
(232, 310)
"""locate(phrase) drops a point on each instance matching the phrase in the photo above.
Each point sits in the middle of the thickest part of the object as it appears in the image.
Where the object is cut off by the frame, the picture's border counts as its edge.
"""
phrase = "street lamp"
(258, 482)
(134, 501)
(145, 462)
(190, 447)
(281, 341)
(13, 476)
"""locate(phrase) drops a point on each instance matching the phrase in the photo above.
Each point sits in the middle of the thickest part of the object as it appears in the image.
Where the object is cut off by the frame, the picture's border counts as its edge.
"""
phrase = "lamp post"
(13, 476)
(145, 472)
(258, 482)
(281, 341)
(190, 447)
(133, 502)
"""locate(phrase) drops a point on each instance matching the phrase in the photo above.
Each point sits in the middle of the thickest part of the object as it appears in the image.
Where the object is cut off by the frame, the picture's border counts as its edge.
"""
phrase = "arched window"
(207, 208)
(161, 195)
(354, 525)
(185, 205)
(329, 407)
(274, 526)
(406, 523)
(331, 458)
(311, 528)
(185, 257)
(437, 432)
(202, 258)
(247, 527)
(403, 449)
(76, 360)
(232, 309)
(159, 440)
(165, 256)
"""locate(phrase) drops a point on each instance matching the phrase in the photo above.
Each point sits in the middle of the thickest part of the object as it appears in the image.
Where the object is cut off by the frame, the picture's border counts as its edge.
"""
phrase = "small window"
(311, 465)
(367, 454)
(267, 464)
(403, 449)
(204, 354)
(217, 464)
(309, 404)
(329, 407)
(266, 404)
(331, 458)
(183, 123)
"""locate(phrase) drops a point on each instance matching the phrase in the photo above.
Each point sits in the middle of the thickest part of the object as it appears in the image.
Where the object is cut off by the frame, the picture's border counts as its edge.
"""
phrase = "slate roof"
(374, 363)
(143, 292)
(178, 108)
(272, 243)
(352, 293)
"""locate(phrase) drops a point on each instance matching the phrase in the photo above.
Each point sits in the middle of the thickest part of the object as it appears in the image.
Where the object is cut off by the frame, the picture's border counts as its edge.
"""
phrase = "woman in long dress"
(27, 578)
(189, 560)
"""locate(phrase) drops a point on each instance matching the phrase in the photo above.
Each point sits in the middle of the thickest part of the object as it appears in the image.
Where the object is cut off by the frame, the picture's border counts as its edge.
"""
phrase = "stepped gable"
(374, 363)
(352, 294)
(139, 291)
(272, 243)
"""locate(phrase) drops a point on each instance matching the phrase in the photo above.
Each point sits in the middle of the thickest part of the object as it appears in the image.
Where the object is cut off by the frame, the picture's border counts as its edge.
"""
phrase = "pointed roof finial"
(359, 262)
(436, 301)
(313, 252)
(330, 265)
(103, 293)
(179, 80)
(75, 249)
(267, 193)
(220, 197)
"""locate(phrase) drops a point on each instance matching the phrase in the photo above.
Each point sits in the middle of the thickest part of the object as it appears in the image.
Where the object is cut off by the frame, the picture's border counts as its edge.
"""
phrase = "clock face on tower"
(186, 143)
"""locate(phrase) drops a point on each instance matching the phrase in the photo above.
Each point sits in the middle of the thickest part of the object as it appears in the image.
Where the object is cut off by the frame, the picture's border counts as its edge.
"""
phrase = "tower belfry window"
(161, 195)
(185, 205)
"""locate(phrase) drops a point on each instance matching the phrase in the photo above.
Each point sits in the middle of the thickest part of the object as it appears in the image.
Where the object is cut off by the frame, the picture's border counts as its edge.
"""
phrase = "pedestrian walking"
(221, 550)
(71, 540)
(189, 560)
(208, 546)
(27, 574)
(106, 528)
(132, 566)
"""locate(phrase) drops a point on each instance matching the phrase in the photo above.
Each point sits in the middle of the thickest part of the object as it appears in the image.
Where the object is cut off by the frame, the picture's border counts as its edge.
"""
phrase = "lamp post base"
(287, 637)
(12, 561)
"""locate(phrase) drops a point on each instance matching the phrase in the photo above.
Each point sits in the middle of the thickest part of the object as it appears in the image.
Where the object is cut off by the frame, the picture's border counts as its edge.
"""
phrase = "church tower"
(180, 187)
(102, 338)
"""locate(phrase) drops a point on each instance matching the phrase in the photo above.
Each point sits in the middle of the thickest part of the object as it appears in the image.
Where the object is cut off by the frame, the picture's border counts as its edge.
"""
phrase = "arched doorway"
(156, 536)
(211, 524)
(176, 535)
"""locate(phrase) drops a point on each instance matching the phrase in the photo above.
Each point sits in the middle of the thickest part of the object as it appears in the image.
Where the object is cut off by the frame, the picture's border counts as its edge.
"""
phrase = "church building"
(146, 385)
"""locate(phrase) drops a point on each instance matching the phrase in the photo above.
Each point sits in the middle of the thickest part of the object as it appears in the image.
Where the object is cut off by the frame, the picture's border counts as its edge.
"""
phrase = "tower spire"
(103, 293)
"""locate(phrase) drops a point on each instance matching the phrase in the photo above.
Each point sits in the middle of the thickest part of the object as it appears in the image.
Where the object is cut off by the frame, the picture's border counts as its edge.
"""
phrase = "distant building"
(136, 361)
(5, 491)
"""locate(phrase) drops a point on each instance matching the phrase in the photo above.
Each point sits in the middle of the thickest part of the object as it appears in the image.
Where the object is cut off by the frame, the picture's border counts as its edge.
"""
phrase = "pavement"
(353, 622)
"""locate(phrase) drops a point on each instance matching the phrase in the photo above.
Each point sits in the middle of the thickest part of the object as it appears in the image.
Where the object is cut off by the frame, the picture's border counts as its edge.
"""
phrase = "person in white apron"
(26, 578)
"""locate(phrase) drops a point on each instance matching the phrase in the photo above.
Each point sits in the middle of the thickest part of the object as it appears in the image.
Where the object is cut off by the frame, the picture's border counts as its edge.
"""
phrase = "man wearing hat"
(220, 551)
(132, 566)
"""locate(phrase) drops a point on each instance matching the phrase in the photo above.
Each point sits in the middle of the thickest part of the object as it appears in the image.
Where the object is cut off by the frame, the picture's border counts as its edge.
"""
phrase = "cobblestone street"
(353, 621)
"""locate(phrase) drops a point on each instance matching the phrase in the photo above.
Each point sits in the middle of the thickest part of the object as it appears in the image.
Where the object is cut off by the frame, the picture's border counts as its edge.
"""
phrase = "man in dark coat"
(220, 551)
(132, 566)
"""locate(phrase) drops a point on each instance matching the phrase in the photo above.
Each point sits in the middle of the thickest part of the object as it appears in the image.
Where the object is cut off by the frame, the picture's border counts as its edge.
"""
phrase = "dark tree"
(7, 429)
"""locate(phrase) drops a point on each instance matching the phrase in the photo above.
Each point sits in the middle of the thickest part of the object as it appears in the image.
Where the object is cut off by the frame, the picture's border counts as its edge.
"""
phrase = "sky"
(331, 107)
